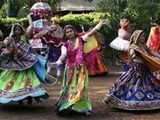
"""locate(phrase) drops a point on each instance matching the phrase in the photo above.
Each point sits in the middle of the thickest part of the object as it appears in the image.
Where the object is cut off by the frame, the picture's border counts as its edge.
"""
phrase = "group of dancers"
(24, 66)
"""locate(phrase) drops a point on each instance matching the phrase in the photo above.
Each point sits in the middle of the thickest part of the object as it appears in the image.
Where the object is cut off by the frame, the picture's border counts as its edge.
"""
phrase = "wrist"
(59, 62)
(98, 27)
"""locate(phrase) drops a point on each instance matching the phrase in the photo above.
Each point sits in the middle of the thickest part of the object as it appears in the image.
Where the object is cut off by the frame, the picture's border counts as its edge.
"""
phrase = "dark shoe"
(88, 113)
(38, 100)
(20, 102)
(30, 101)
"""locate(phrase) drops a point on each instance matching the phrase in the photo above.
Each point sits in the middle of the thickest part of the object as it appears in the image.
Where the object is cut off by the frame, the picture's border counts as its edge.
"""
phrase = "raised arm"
(97, 27)
(29, 19)
(41, 34)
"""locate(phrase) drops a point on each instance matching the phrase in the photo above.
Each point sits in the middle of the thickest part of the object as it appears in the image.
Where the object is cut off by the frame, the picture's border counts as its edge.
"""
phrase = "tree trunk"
(12, 8)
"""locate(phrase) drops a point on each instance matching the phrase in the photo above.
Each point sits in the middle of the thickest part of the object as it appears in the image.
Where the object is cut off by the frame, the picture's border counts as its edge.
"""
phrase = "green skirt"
(74, 94)
(19, 85)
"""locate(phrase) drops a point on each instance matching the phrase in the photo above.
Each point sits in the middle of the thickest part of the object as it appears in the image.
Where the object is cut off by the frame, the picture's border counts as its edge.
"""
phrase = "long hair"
(69, 27)
(13, 28)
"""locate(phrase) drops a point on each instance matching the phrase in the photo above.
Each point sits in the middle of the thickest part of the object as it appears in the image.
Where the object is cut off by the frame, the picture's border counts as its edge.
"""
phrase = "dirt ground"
(97, 89)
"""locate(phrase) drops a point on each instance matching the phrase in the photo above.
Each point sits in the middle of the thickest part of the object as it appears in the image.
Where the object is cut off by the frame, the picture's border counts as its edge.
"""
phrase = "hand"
(105, 22)
(99, 49)
(101, 23)
(49, 66)
(37, 35)
(58, 62)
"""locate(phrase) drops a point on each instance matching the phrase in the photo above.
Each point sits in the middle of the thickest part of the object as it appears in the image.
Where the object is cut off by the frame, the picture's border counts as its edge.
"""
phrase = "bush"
(9, 21)
(5, 24)
(87, 20)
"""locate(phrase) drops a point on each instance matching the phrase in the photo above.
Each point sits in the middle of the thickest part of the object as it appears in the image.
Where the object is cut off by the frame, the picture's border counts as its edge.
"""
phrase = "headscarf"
(134, 39)
(149, 59)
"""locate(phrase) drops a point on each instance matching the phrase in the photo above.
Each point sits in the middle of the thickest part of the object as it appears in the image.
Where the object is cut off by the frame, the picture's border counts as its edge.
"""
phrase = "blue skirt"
(135, 89)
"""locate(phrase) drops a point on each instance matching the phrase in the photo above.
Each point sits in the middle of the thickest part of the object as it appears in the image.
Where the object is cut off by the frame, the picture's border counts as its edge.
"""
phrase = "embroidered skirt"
(135, 89)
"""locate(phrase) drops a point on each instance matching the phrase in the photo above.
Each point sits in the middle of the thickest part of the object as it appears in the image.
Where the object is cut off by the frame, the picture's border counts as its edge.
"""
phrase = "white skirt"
(120, 44)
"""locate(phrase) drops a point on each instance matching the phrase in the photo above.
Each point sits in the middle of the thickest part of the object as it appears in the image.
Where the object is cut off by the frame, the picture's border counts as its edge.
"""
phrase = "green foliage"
(3, 12)
(87, 20)
(1, 3)
(12, 7)
(20, 8)
(9, 21)
(141, 12)
(114, 7)
(23, 11)
(54, 4)
(5, 24)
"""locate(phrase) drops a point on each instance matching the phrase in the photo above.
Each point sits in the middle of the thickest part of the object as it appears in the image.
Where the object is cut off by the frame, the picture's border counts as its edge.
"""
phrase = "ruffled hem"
(120, 44)
(13, 97)
(115, 102)
(72, 108)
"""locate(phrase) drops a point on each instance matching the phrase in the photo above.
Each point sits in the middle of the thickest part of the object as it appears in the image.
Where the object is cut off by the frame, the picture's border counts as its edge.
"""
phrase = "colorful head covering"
(135, 37)
(41, 9)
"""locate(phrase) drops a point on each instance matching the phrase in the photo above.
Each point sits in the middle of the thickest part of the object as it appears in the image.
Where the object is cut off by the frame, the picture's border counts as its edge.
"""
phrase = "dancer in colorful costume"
(55, 40)
(136, 89)
(154, 38)
(38, 18)
(92, 51)
(22, 72)
(51, 38)
(74, 94)
(153, 43)
(121, 43)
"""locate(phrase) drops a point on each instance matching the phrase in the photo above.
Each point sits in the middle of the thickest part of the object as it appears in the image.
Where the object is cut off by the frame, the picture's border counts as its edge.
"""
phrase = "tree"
(140, 12)
(54, 4)
(20, 8)
(12, 8)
